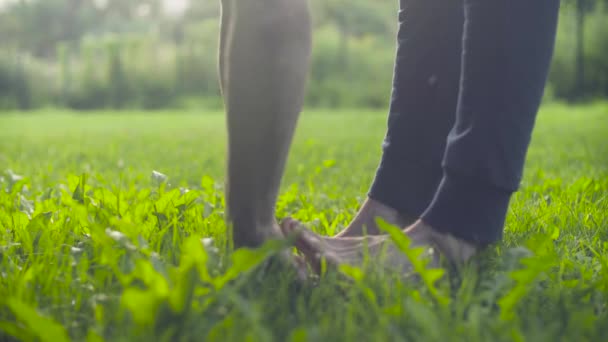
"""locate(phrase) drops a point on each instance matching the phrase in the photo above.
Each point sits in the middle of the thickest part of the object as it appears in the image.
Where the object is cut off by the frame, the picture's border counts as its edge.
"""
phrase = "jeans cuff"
(468, 209)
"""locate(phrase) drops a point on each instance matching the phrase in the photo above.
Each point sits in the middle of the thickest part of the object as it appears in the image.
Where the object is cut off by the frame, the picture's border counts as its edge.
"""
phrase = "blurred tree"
(38, 26)
(165, 56)
(354, 19)
(582, 8)
(582, 11)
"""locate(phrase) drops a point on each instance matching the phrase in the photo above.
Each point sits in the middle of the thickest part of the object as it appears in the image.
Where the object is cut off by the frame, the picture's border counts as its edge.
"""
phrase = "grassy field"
(96, 246)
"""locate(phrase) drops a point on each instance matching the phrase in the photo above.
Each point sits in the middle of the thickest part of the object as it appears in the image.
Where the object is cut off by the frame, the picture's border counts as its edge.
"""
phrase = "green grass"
(92, 247)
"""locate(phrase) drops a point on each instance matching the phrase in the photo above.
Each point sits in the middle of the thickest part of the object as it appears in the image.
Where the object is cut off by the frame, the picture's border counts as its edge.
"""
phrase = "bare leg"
(265, 53)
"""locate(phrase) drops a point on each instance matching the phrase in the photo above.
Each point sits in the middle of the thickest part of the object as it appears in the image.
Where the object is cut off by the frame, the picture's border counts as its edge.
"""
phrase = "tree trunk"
(343, 56)
(580, 48)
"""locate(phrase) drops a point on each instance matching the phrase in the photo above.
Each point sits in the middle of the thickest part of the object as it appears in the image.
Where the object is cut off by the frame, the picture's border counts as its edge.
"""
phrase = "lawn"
(105, 219)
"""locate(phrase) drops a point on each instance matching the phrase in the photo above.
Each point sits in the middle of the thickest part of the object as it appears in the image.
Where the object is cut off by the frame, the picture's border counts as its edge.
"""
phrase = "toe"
(313, 246)
(289, 226)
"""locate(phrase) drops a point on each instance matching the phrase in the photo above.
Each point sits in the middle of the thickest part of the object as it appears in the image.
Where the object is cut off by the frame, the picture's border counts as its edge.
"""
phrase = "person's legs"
(507, 49)
(422, 108)
(264, 58)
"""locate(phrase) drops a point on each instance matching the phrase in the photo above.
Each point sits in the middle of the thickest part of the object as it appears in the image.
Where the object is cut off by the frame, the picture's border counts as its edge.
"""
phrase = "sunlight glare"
(175, 7)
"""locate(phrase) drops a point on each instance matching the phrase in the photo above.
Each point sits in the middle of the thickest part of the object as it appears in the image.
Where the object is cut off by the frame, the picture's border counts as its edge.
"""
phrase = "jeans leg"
(507, 50)
(423, 104)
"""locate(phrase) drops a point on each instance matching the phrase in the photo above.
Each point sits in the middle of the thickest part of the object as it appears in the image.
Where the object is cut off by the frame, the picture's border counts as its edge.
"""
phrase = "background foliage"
(117, 54)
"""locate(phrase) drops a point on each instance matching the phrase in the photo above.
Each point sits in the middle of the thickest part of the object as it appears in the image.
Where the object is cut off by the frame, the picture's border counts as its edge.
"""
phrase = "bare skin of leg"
(264, 53)
(353, 250)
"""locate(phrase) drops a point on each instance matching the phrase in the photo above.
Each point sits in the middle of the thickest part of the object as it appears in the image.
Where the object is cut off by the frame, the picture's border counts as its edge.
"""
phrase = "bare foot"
(364, 222)
(285, 258)
(379, 249)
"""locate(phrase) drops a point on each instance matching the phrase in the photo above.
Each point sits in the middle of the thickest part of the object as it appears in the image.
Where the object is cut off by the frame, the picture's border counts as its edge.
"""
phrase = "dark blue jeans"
(468, 80)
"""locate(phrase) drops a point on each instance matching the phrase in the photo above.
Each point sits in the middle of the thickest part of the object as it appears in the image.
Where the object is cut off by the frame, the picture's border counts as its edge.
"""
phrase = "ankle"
(373, 209)
(365, 221)
(252, 234)
(456, 250)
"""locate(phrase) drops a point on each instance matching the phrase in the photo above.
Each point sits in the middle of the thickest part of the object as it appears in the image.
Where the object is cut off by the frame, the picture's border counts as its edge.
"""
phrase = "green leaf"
(299, 335)
(414, 255)
(353, 272)
(79, 193)
(94, 337)
(532, 267)
(195, 255)
(555, 234)
(182, 293)
(12, 329)
(41, 327)
(142, 304)
(245, 259)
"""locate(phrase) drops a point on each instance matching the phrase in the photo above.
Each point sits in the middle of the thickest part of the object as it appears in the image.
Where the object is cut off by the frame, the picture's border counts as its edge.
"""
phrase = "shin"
(264, 59)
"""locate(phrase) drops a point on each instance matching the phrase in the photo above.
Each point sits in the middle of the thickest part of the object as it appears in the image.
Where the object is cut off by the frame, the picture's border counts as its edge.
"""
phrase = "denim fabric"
(468, 80)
